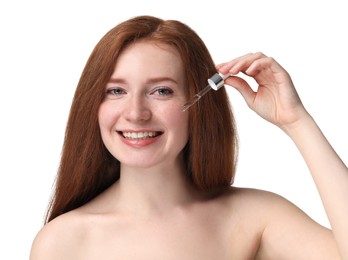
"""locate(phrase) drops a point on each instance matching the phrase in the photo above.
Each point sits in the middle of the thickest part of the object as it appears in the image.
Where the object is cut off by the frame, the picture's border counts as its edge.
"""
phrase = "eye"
(163, 91)
(114, 92)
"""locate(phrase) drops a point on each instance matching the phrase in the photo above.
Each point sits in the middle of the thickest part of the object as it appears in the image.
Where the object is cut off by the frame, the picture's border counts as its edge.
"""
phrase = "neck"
(154, 189)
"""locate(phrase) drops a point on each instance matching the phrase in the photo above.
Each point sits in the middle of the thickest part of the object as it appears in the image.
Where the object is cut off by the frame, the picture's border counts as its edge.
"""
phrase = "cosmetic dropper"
(215, 82)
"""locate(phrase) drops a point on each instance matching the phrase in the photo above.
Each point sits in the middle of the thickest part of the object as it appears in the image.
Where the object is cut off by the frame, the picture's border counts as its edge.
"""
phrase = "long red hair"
(87, 168)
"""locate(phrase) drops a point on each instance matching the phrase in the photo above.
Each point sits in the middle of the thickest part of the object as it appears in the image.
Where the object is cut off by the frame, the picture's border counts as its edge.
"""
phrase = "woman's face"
(141, 119)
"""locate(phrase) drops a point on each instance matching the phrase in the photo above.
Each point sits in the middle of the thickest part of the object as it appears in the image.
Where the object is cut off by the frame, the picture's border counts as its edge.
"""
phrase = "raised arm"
(277, 101)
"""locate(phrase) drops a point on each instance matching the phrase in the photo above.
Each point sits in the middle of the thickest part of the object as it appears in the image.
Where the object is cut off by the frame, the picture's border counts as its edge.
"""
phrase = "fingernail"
(232, 72)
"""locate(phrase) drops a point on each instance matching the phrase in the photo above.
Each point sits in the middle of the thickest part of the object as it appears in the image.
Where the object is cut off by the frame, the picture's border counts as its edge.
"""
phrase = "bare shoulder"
(254, 194)
(268, 207)
(256, 199)
(58, 238)
(266, 204)
(286, 230)
(256, 208)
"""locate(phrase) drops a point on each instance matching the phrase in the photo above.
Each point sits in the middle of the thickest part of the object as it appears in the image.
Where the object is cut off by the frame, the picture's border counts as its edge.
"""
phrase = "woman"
(141, 179)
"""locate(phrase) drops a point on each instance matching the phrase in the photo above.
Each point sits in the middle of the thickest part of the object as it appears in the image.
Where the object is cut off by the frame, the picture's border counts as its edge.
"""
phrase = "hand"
(276, 99)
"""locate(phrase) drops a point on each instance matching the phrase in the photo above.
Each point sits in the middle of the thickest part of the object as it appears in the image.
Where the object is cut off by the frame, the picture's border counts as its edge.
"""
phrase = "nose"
(137, 109)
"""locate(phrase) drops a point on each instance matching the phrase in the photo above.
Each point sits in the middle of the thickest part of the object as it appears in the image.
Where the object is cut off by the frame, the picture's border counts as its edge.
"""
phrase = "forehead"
(148, 58)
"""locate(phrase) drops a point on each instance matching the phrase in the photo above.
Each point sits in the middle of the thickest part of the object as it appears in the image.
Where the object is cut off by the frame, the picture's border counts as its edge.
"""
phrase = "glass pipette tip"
(215, 82)
(196, 98)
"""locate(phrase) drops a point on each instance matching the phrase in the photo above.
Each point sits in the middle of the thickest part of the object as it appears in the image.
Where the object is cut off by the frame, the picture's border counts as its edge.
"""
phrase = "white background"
(44, 47)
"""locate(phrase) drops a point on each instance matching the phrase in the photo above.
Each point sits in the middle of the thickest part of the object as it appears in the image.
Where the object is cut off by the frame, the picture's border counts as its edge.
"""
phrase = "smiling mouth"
(140, 135)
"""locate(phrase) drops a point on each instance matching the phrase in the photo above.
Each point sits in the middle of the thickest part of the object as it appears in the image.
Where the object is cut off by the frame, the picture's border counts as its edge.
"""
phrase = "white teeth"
(139, 135)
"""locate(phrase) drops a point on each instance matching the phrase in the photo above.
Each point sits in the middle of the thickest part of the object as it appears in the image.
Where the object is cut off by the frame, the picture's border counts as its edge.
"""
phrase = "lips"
(139, 139)
(139, 135)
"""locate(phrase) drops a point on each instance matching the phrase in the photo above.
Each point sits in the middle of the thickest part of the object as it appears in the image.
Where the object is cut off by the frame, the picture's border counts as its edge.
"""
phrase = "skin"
(140, 99)
(153, 212)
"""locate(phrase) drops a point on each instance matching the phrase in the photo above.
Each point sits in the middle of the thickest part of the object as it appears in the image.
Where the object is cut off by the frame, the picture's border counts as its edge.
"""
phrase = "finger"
(227, 66)
(219, 66)
(243, 63)
(243, 88)
(263, 64)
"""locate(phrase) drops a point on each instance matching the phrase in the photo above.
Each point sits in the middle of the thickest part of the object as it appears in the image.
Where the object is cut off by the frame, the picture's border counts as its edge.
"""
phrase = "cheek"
(105, 116)
(177, 119)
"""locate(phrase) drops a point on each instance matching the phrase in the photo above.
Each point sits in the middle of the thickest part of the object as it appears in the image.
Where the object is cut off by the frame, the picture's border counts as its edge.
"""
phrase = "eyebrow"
(149, 81)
